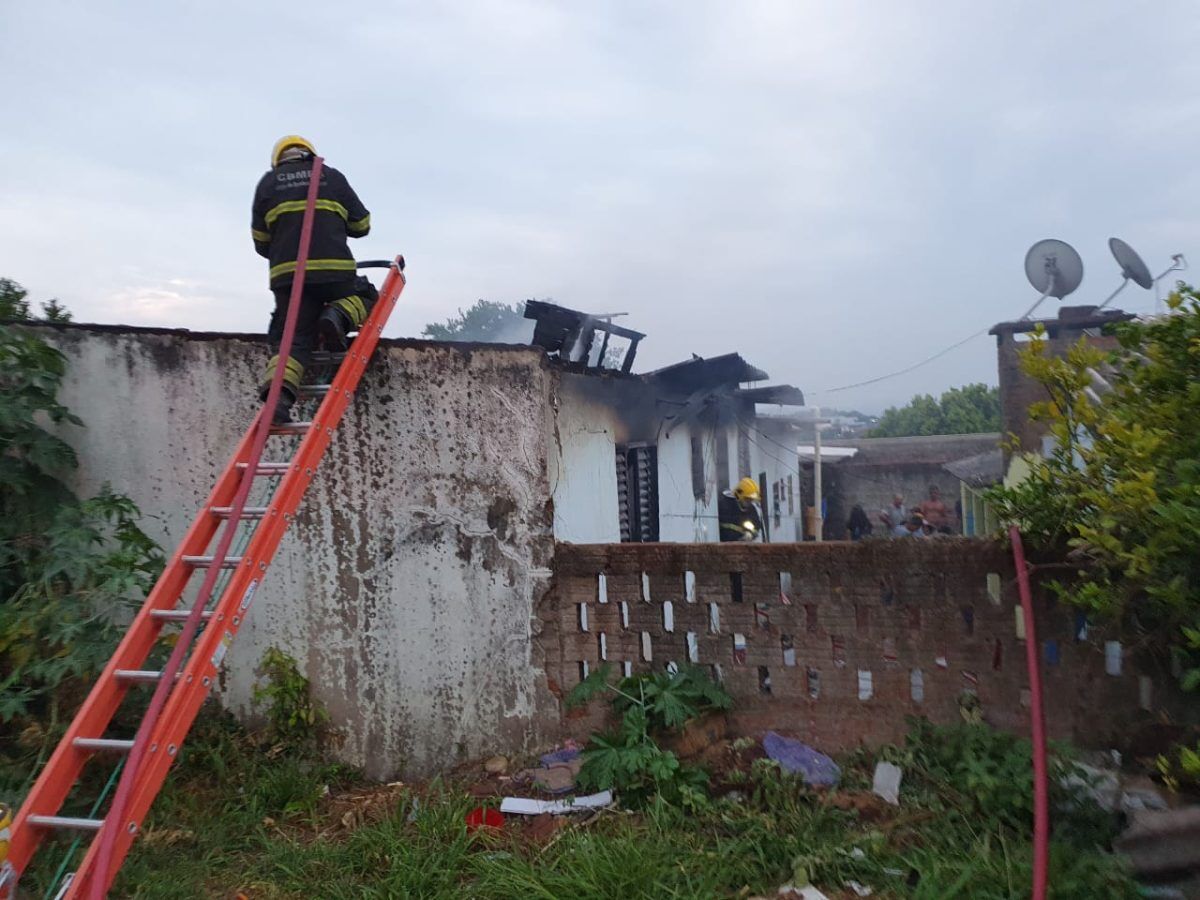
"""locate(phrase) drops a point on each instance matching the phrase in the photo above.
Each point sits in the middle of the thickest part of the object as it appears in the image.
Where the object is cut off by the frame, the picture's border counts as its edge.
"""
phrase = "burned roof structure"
(570, 336)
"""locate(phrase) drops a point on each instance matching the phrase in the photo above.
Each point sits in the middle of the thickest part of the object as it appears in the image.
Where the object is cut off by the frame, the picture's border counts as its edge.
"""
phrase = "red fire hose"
(1041, 799)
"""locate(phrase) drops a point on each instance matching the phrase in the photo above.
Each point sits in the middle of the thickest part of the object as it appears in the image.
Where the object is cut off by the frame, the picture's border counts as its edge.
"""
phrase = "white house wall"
(583, 471)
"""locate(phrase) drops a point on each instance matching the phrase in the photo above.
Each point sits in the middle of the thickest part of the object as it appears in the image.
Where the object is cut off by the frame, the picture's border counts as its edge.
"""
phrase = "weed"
(294, 718)
(1180, 770)
(222, 826)
(629, 759)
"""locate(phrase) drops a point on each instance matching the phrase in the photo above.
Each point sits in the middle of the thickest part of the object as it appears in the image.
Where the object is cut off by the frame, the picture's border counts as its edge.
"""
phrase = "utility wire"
(907, 369)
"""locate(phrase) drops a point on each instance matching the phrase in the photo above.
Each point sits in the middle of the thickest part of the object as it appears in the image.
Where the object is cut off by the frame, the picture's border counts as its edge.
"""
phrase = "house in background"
(645, 457)
(883, 467)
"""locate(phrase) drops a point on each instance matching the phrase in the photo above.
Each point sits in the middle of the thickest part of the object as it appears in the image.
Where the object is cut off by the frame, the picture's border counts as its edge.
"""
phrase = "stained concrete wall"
(407, 586)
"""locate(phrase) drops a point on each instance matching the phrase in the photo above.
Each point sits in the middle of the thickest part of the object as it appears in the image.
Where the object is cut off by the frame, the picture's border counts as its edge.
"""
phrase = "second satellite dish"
(1131, 264)
(1053, 268)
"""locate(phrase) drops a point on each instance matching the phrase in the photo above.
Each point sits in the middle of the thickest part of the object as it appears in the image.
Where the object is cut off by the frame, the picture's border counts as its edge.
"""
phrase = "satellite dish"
(1054, 269)
(1131, 264)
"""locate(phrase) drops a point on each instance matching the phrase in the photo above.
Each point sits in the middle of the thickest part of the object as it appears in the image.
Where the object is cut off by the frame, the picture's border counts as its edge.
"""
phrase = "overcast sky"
(833, 189)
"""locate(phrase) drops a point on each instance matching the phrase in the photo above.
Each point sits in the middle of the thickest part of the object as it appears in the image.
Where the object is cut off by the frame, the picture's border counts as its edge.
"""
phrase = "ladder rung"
(66, 822)
(314, 390)
(145, 676)
(176, 615)
(203, 562)
(324, 356)
(120, 746)
(291, 428)
(268, 468)
(248, 512)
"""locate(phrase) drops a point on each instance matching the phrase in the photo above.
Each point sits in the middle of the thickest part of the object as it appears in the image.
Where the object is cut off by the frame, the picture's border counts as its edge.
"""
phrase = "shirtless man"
(934, 511)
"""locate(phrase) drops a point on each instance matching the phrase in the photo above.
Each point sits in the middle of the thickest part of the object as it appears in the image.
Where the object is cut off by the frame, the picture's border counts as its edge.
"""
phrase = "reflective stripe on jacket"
(278, 213)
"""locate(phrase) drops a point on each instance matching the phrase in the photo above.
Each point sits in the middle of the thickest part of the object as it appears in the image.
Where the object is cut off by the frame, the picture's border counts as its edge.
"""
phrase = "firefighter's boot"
(334, 327)
(289, 390)
(345, 316)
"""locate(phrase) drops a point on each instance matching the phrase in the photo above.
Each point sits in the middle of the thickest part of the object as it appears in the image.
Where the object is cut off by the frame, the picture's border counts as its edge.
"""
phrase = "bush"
(70, 569)
(1120, 491)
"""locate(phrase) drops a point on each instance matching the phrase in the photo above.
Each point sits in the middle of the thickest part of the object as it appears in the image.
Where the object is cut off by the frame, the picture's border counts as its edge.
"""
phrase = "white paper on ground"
(528, 807)
(808, 892)
(1112, 657)
(887, 782)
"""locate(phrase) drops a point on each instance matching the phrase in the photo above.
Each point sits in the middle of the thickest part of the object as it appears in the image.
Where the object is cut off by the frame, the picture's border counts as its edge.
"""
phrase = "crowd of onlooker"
(925, 519)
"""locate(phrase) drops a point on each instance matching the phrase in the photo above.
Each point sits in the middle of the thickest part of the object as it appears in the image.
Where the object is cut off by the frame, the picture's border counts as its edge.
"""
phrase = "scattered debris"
(1101, 785)
(859, 888)
(526, 806)
(868, 806)
(1140, 792)
(808, 892)
(356, 807)
(496, 765)
(557, 772)
(568, 752)
(484, 817)
(1160, 842)
(887, 782)
(543, 827)
(1162, 892)
(795, 756)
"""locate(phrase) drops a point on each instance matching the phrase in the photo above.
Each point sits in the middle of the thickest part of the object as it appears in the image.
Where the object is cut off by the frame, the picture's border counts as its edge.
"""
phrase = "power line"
(907, 369)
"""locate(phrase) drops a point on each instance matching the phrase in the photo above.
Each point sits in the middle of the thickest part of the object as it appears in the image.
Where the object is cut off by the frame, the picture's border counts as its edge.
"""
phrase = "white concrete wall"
(407, 586)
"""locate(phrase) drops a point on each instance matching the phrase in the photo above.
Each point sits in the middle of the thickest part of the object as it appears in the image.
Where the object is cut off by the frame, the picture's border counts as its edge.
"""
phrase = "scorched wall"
(406, 587)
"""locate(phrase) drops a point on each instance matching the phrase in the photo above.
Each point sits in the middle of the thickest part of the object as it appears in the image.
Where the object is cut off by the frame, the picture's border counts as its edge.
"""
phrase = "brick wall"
(836, 643)
(1017, 390)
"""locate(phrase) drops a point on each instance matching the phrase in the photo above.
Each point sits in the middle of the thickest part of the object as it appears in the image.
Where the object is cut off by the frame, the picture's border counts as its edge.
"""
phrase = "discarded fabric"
(794, 756)
(559, 757)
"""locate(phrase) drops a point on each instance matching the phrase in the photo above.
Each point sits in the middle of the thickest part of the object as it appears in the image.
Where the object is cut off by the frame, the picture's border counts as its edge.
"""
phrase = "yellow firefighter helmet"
(290, 140)
(746, 489)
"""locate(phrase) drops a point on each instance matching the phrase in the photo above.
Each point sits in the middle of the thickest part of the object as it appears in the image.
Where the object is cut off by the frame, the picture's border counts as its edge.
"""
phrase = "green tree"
(1120, 491)
(486, 320)
(69, 567)
(15, 306)
(971, 409)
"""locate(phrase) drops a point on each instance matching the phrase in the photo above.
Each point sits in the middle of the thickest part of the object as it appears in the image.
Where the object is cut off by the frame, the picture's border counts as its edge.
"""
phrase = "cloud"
(835, 190)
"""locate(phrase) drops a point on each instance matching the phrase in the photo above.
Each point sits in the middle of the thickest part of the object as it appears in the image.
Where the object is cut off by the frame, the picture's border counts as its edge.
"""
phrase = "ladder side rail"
(62, 770)
(96, 879)
(199, 673)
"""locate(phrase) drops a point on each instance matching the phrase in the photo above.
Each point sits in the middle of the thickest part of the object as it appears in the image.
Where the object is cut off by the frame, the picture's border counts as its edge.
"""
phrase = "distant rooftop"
(937, 449)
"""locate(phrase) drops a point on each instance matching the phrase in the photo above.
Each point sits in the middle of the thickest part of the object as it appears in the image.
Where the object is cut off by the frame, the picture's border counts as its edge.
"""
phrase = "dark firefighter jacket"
(733, 519)
(278, 213)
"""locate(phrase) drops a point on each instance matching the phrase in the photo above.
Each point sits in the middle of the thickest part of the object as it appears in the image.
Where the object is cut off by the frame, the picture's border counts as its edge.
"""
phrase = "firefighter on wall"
(335, 301)
(738, 514)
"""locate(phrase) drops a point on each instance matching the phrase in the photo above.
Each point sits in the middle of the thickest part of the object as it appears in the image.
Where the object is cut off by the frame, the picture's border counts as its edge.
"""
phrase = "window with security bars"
(637, 492)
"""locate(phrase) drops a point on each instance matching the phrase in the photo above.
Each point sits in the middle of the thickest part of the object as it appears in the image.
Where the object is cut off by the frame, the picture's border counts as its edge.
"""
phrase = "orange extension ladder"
(201, 648)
